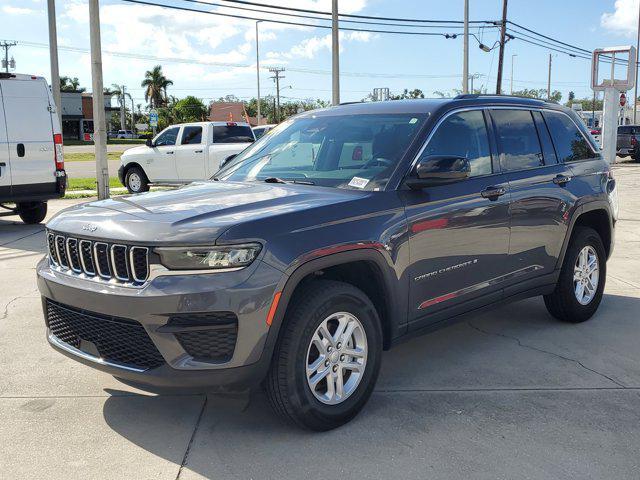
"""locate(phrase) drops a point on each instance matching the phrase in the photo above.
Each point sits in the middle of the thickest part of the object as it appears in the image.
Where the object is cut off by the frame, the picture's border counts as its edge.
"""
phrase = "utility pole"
(258, 116)
(465, 48)
(276, 76)
(635, 94)
(99, 121)
(6, 62)
(53, 56)
(512, 58)
(549, 81)
(123, 124)
(335, 53)
(503, 33)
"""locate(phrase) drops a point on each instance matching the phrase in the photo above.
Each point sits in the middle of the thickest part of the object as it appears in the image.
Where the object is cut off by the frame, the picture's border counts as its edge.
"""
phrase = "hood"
(135, 150)
(197, 213)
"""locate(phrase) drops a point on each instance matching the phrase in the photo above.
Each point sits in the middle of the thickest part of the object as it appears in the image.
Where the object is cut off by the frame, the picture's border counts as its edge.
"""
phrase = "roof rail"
(494, 95)
(350, 103)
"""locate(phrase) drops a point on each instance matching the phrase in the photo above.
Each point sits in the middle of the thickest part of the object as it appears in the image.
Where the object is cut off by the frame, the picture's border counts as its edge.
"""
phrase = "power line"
(285, 22)
(549, 38)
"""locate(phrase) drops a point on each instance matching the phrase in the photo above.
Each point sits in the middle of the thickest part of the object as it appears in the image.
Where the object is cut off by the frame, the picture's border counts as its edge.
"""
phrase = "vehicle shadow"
(514, 348)
(20, 240)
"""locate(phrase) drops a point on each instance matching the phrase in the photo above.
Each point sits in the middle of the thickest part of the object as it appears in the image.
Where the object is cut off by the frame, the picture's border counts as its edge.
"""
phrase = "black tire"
(562, 303)
(32, 212)
(133, 174)
(286, 383)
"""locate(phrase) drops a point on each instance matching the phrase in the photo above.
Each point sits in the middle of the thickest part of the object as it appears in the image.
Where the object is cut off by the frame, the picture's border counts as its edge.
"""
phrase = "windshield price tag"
(358, 182)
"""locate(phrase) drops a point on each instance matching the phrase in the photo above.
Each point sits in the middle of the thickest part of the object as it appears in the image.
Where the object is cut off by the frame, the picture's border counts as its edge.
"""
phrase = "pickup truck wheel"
(582, 278)
(32, 212)
(327, 360)
(136, 181)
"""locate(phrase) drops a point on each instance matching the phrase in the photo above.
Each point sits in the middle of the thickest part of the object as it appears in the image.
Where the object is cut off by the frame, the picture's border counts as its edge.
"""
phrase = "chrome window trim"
(68, 249)
(132, 267)
(113, 262)
(58, 252)
(96, 261)
(84, 267)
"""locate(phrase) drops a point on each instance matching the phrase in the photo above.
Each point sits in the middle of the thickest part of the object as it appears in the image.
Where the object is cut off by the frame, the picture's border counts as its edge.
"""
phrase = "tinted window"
(624, 130)
(168, 137)
(191, 135)
(259, 131)
(545, 139)
(518, 139)
(232, 134)
(463, 134)
(342, 151)
(569, 142)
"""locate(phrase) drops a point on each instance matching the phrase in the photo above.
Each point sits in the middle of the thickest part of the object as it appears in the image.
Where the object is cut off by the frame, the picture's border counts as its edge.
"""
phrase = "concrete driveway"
(508, 394)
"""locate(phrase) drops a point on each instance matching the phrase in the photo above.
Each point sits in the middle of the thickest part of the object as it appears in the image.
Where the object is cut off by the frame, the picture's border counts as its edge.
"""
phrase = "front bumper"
(247, 293)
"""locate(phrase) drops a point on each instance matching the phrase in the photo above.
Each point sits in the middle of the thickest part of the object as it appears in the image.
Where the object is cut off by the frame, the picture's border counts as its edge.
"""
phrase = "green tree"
(540, 93)
(190, 109)
(68, 84)
(155, 85)
(588, 104)
(415, 93)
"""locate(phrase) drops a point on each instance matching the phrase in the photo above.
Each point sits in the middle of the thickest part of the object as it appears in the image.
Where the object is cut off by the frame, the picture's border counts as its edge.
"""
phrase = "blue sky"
(368, 60)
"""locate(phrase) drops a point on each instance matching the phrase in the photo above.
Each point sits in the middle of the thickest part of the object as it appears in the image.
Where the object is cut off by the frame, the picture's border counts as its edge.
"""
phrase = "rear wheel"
(32, 212)
(136, 181)
(582, 278)
(327, 359)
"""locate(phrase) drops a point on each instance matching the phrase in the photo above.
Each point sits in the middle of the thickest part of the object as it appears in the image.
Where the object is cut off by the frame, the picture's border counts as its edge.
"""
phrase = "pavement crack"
(530, 347)
(25, 236)
(5, 314)
(622, 280)
(185, 457)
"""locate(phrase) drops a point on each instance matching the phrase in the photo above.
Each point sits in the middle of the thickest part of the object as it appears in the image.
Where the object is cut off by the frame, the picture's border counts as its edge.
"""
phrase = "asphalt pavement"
(509, 394)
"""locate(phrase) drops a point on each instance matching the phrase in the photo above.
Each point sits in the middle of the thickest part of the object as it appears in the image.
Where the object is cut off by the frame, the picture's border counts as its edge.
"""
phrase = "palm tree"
(68, 84)
(155, 84)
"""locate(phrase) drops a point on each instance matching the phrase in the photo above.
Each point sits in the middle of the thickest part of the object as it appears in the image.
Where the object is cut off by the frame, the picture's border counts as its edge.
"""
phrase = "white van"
(183, 153)
(31, 158)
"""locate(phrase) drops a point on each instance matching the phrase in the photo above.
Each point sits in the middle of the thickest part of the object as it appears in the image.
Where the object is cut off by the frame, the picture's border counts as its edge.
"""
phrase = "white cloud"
(11, 10)
(310, 47)
(623, 20)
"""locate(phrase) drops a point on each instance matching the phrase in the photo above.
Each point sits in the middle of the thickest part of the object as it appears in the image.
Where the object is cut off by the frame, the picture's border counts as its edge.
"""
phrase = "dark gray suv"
(336, 236)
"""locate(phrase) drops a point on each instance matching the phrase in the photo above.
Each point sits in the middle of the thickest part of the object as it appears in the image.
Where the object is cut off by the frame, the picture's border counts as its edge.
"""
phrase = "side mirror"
(439, 170)
(149, 142)
(228, 159)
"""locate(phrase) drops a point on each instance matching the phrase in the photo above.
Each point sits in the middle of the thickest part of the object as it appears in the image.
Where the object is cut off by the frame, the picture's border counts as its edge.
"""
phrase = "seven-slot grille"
(127, 264)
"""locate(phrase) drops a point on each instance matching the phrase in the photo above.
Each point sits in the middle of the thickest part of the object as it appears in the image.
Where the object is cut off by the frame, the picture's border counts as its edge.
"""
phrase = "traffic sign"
(623, 99)
(153, 118)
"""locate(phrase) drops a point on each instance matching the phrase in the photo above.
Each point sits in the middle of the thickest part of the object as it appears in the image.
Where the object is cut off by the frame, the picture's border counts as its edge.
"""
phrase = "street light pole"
(99, 121)
(635, 94)
(512, 57)
(549, 81)
(258, 116)
(465, 54)
(335, 53)
(53, 56)
(503, 34)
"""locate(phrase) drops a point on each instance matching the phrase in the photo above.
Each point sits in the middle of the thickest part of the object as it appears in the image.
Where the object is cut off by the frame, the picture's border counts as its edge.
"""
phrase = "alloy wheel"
(586, 275)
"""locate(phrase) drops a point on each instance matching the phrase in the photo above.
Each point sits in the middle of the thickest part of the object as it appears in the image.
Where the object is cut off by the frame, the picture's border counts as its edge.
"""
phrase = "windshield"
(342, 151)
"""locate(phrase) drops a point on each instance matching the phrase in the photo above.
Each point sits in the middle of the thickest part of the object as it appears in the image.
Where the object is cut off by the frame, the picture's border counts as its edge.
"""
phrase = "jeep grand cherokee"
(327, 241)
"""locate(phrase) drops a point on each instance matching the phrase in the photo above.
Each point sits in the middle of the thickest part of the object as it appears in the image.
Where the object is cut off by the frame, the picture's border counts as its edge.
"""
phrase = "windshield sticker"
(358, 182)
(413, 120)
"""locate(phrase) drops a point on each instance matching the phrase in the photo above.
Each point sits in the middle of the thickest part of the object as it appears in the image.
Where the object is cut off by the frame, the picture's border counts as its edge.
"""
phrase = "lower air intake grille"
(208, 337)
(116, 339)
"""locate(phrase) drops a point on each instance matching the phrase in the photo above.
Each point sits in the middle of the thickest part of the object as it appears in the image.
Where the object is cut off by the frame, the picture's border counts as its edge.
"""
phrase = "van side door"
(458, 232)
(5, 164)
(539, 197)
(29, 134)
(190, 154)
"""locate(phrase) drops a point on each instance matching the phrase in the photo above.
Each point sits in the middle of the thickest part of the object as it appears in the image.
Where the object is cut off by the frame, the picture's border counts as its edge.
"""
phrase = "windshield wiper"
(280, 180)
(274, 180)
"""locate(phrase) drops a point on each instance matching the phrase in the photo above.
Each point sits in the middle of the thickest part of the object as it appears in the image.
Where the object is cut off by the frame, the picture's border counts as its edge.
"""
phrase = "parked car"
(183, 153)
(627, 141)
(31, 155)
(260, 130)
(126, 134)
(338, 235)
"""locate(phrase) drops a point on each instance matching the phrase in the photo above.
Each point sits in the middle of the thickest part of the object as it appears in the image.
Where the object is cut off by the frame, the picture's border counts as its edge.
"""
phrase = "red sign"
(623, 99)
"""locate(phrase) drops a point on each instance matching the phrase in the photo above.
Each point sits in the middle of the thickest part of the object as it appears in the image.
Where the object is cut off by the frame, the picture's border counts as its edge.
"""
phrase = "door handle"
(169, 153)
(198, 151)
(561, 179)
(493, 192)
(20, 149)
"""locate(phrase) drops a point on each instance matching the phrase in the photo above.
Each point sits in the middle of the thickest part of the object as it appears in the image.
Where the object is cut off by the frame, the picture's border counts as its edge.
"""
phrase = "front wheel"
(328, 356)
(136, 181)
(581, 283)
(32, 212)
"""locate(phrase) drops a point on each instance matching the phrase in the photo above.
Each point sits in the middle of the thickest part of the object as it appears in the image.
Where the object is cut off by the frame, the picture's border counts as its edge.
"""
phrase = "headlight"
(208, 258)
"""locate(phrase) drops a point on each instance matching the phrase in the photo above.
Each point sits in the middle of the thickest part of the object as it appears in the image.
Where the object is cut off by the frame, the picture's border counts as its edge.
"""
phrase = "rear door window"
(549, 153)
(518, 140)
(232, 134)
(463, 134)
(168, 137)
(191, 135)
(570, 144)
